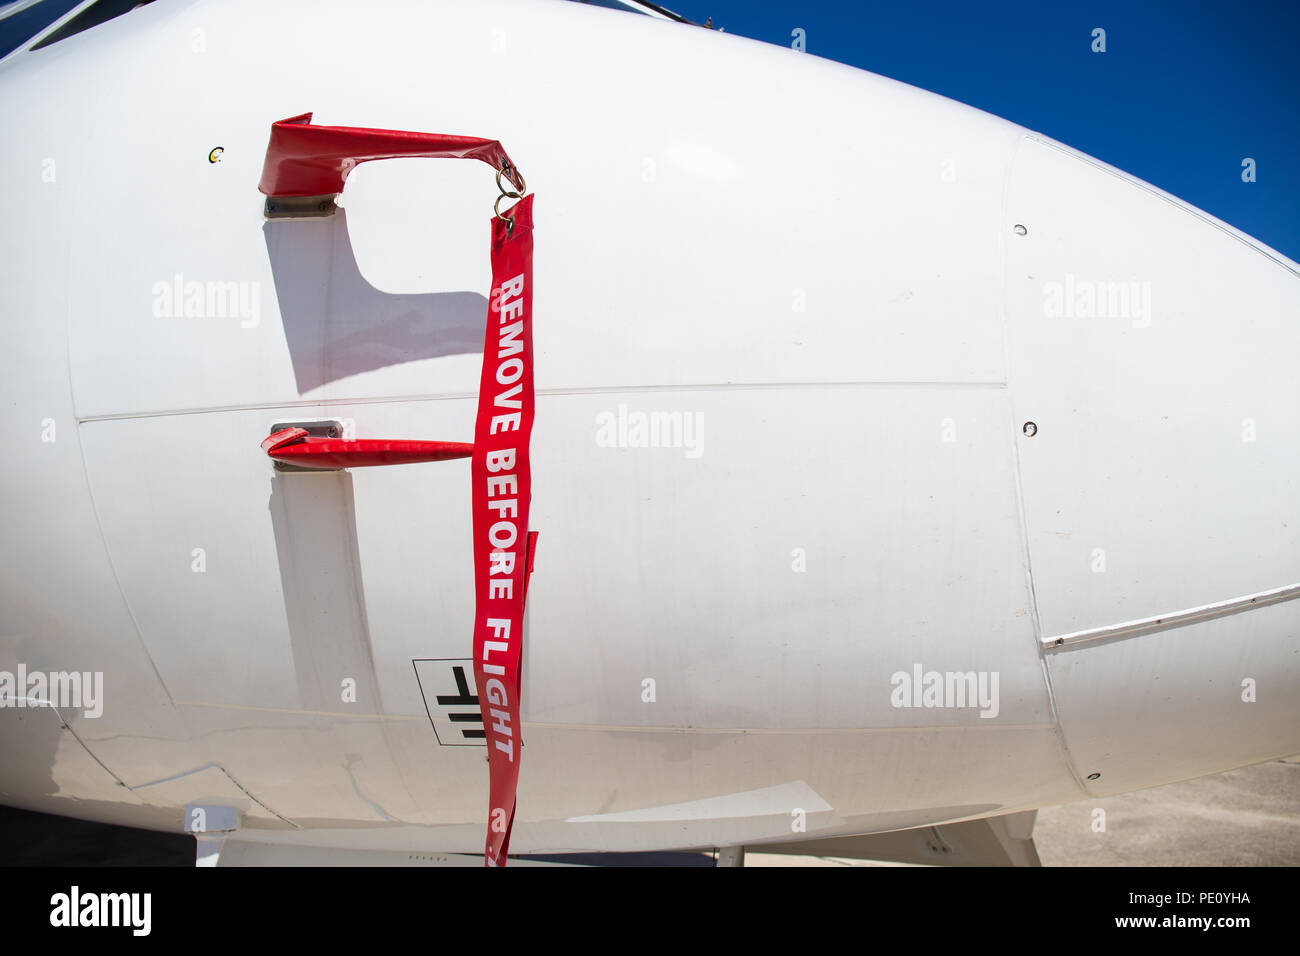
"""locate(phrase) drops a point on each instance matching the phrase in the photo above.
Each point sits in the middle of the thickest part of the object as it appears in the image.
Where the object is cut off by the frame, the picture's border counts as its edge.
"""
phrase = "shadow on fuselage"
(337, 324)
(314, 519)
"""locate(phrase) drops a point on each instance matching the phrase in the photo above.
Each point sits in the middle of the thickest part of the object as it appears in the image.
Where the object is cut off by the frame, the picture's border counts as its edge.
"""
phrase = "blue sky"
(1184, 92)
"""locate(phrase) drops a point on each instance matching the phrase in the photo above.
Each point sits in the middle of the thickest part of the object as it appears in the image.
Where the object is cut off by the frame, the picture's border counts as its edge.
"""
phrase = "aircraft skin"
(856, 295)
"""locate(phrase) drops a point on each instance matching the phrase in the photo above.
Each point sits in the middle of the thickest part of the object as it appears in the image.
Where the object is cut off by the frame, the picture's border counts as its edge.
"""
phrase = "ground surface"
(1247, 817)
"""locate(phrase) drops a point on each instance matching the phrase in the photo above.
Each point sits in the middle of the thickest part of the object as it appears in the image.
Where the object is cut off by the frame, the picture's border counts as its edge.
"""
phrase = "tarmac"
(1247, 817)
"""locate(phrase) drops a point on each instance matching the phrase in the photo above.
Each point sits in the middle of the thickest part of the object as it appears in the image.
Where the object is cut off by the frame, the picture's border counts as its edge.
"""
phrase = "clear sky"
(1185, 91)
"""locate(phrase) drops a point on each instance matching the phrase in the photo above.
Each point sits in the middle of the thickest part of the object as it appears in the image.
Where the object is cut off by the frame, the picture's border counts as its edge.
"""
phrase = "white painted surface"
(823, 430)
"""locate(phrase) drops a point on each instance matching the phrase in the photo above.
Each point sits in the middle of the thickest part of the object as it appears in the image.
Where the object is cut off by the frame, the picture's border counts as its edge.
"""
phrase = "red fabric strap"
(502, 482)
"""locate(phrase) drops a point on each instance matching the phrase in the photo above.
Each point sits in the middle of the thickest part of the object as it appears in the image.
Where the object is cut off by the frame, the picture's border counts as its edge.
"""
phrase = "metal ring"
(523, 187)
(496, 208)
(508, 194)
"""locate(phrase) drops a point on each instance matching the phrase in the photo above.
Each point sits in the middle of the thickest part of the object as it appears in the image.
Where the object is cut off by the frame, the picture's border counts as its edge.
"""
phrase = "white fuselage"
(807, 279)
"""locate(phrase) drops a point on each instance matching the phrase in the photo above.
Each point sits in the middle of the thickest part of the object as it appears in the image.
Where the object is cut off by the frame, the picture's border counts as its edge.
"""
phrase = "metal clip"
(508, 194)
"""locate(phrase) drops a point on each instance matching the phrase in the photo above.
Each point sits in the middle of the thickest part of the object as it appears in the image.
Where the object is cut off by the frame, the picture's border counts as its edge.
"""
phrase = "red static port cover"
(307, 160)
(293, 446)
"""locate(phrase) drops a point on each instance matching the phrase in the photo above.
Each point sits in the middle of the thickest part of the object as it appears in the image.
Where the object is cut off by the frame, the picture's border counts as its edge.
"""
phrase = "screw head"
(1030, 429)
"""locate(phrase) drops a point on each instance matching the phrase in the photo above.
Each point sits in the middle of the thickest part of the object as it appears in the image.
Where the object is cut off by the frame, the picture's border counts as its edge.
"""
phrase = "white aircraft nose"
(1152, 349)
